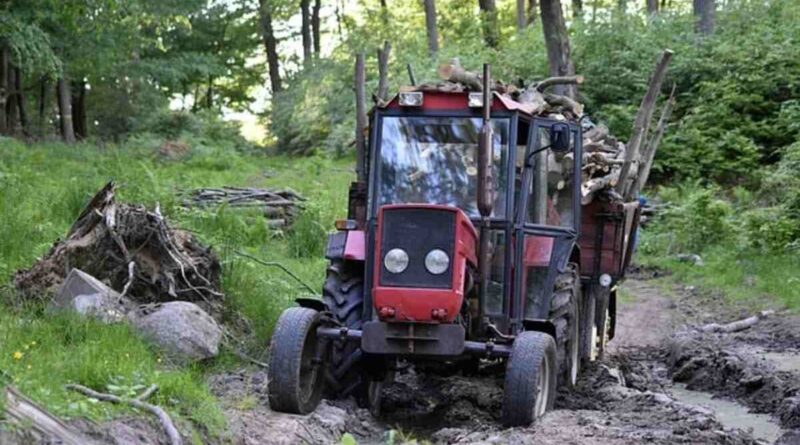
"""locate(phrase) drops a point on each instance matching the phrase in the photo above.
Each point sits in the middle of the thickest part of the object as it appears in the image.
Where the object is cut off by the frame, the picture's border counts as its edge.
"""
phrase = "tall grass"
(42, 189)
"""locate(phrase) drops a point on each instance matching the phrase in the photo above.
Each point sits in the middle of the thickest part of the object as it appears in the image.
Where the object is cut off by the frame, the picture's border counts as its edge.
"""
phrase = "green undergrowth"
(746, 276)
(44, 186)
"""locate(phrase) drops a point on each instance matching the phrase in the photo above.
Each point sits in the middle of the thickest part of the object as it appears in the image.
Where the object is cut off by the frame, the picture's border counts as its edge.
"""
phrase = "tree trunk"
(270, 45)
(361, 117)
(315, 26)
(305, 28)
(533, 11)
(210, 93)
(383, 71)
(577, 9)
(23, 113)
(42, 106)
(4, 56)
(65, 111)
(522, 15)
(704, 10)
(12, 110)
(557, 42)
(79, 110)
(489, 20)
(652, 6)
(430, 27)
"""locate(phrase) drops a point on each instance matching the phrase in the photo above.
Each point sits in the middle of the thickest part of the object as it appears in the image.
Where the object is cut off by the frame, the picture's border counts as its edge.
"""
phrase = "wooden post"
(650, 151)
(643, 117)
(383, 71)
(361, 118)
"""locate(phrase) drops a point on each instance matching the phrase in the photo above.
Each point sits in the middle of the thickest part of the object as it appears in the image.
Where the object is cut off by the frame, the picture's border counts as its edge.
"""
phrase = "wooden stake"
(643, 117)
(361, 117)
(650, 151)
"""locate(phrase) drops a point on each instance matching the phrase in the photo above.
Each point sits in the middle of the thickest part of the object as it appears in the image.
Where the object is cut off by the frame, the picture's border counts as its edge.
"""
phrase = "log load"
(610, 169)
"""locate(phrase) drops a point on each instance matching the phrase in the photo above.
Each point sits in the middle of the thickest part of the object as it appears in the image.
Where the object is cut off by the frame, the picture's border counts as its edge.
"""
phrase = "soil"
(629, 397)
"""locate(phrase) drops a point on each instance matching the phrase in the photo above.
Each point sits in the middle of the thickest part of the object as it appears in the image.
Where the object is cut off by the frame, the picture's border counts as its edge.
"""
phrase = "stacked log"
(610, 169)
(279, 206)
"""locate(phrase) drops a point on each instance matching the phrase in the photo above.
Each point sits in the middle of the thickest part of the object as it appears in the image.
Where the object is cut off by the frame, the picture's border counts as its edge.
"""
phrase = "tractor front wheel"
(296, 374)
(530, 383)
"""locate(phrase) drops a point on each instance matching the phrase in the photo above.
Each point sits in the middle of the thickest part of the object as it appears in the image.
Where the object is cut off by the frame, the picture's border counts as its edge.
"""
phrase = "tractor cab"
(424, 153)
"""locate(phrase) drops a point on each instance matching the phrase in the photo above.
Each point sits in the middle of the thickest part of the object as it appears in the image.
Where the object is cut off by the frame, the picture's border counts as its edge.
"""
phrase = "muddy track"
(642, 392)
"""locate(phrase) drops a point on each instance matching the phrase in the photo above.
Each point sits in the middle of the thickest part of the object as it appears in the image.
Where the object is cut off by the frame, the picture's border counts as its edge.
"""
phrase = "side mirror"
(559, 138)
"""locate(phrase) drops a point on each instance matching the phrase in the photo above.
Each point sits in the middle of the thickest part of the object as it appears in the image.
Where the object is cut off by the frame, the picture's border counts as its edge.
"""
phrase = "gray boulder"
(89, 296)
(181, 328)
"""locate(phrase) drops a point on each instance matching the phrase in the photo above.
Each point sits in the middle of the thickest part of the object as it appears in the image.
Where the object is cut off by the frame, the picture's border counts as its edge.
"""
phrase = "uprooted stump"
(168, 264)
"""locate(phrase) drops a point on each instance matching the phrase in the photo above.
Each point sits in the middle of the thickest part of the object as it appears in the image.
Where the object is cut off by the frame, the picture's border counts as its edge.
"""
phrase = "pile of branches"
(133, 250)
(611, 170)
(279, 206)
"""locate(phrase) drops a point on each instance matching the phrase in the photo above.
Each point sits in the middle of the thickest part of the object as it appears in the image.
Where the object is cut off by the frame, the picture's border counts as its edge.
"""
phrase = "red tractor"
(459, 248)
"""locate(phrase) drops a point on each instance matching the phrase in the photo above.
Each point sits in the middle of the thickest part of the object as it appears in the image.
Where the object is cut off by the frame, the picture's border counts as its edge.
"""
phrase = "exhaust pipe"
(485, 186)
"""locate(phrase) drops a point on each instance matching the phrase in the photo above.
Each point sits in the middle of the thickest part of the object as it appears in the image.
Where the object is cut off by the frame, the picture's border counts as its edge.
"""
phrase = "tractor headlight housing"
(437, 261)
(396, 260)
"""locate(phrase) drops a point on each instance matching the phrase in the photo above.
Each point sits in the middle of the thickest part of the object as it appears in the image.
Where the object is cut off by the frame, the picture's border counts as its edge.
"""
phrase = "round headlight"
(605, 280)
(396, 260)
(437, 261)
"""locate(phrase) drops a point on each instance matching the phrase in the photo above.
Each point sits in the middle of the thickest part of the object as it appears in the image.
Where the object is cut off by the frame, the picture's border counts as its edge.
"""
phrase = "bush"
(696, 218)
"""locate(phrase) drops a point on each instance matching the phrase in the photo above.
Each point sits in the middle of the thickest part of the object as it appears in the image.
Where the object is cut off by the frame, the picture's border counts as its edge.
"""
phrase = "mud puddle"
(731, 414)
(786, 361)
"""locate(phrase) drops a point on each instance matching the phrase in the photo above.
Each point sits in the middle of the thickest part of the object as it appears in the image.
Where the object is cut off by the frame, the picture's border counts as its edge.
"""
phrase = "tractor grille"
(417, 231)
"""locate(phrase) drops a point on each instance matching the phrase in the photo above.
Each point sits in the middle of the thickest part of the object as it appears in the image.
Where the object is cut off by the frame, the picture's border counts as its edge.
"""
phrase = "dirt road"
(655, 386)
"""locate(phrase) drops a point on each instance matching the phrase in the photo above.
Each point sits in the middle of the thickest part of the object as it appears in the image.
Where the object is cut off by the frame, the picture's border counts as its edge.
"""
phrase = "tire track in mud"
(625, 399)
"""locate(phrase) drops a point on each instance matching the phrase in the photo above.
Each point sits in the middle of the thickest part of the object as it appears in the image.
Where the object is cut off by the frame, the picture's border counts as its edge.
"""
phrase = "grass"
(42, 189)
(742, 275)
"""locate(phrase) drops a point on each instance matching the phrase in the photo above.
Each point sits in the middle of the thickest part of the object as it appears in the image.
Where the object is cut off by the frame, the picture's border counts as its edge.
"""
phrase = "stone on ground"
(181, 328)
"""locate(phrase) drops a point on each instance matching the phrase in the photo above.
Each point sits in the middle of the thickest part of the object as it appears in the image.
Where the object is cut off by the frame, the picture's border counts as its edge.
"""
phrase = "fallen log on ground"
(739, 325)
(280, 206)
(137, 402)
(38, 425)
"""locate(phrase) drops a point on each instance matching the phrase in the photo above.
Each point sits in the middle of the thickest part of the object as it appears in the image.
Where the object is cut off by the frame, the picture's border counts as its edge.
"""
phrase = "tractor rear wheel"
(530, 382)
(565, 315)
(343, 295)
(296, 381)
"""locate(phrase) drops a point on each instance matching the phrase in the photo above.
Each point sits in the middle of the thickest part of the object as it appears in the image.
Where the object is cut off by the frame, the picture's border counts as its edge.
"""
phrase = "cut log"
(558, 80)
(45, 427)
(452, 72)
(565, 102)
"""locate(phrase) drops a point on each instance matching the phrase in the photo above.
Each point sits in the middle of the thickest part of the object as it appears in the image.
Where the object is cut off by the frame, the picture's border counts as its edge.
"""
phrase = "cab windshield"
(433, 160)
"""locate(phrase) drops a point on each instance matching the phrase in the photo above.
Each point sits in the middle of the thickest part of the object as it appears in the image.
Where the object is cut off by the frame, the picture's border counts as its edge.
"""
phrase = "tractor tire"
(589, 339)
(530, 381)
(565, 316)
(295, 376)
(343, 295)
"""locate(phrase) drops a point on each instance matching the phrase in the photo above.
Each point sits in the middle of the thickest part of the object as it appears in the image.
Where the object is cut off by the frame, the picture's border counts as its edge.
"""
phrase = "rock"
(690, 258)
(181, 328)
(89, 296)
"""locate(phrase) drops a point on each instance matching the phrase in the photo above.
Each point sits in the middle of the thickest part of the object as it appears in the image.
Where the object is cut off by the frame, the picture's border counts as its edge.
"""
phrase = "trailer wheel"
(296, 381)
(343, 295)
(565, 315)
(530, 382)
